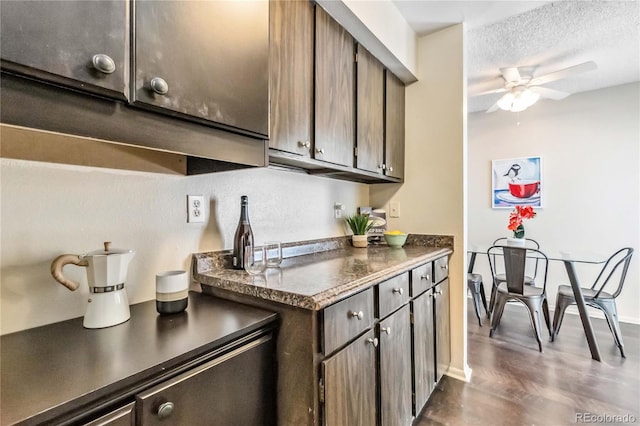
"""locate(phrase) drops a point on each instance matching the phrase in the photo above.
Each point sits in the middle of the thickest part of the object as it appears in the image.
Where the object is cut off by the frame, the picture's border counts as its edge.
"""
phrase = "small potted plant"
(360, 225)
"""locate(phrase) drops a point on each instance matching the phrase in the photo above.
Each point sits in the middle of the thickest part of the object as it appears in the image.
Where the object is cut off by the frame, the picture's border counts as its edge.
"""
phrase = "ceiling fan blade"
(547, 93)
(566, 72)
(511, 74)
(493, 108)
(490, 92)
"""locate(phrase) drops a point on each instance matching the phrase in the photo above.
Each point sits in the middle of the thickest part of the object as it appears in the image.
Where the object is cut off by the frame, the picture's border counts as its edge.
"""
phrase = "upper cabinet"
(334, 92)
(370, 112)
(394, 127)
(204, 60)
(291, 76)
(78, 44)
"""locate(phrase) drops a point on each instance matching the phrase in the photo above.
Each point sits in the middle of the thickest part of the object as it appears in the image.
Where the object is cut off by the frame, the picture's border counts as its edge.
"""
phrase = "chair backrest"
(515, 261)
(529, 243)
(618, 263)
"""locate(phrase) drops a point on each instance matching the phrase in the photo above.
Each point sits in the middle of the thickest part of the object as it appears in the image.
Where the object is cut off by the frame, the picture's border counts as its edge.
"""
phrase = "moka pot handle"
(59, 262)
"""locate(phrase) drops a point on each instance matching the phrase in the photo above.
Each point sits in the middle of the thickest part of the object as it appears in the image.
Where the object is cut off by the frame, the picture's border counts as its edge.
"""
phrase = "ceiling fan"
(523, 89)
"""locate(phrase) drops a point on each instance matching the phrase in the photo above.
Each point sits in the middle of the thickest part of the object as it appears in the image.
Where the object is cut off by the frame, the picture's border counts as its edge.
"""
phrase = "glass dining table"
(569, 259)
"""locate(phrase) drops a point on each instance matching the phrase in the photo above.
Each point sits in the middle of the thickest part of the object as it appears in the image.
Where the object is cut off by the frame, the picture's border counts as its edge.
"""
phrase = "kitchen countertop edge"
(238, 281)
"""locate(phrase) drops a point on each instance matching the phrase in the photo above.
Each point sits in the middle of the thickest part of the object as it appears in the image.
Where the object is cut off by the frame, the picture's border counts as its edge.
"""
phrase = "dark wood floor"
(514, 384)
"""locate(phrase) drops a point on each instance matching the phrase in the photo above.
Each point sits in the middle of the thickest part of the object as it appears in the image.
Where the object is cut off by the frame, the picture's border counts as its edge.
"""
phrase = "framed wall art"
(517, 181)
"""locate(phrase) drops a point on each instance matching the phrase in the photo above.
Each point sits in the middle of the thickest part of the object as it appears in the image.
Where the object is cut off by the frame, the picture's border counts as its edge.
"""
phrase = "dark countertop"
(50, 370)
(315, 274)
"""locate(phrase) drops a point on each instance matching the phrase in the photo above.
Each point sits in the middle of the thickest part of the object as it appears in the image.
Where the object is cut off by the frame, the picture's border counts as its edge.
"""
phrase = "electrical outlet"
(394, 209)
(337, 210)
(196, 209)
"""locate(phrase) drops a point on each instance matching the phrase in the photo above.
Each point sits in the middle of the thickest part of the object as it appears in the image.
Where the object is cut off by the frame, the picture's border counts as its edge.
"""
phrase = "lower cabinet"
(442, 322)
(424, 374)
(386, 375)
(350, 384)
(395, 369)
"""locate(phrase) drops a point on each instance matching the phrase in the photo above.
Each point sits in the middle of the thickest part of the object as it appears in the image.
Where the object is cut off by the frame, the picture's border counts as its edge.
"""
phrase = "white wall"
(50, 209)
(589, 144)
(432, 197)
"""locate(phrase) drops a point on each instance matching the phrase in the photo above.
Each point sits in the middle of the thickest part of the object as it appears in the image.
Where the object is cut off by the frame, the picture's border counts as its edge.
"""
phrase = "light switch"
(394, 209)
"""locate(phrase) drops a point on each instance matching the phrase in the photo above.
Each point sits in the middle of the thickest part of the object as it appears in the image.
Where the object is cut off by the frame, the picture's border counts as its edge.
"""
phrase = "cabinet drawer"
(347, 319)
(440, 269)
(421, 279)
(392, 294)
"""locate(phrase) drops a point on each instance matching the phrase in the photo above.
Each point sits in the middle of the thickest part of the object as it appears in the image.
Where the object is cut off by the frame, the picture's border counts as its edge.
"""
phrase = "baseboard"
(456, 373)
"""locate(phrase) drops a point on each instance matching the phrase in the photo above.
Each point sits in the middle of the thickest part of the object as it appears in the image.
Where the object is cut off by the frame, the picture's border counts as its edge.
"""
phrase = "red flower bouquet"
(516, 217)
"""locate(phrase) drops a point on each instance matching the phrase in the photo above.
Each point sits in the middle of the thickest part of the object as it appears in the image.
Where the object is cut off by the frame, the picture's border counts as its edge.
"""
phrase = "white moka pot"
(106, 273)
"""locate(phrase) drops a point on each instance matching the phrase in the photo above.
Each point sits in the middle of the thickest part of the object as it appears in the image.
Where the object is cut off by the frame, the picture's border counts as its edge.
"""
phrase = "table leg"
(582, 309)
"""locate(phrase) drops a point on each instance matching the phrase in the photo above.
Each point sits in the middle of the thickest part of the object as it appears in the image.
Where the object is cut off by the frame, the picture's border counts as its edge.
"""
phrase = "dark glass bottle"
(244, 234)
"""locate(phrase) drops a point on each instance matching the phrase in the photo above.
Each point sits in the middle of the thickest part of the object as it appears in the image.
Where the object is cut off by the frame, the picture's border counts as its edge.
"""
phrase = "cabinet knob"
(438, 292)
(444, 266)
(425, 277)
(381, 166)
(390, 169)
(320, 150)
(159, 86)
(165, 410)
(373, 341)
(354, 314)
(304, 144)
(385, 330)
(103, 63)
(397, 291)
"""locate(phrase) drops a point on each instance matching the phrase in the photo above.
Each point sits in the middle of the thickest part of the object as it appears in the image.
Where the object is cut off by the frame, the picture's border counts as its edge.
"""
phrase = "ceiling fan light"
(506, 101)
(529, 97)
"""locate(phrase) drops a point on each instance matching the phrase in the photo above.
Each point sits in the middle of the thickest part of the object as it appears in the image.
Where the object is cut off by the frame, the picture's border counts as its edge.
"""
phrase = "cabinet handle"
(385, 330)
(390, 169)
(425, 277)
(437, 292)
(381, 166)
(373, 341)
(320, 150)
(103, 63)
(159, 86)
(398, 291)
(354, 314)
(304, 144)
(444, 266)
(165, 410)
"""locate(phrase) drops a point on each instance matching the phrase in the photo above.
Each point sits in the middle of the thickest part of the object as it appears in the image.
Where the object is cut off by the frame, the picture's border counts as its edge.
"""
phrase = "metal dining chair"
(595, 296)
(500, 276)
(475, 286)
(534, 298)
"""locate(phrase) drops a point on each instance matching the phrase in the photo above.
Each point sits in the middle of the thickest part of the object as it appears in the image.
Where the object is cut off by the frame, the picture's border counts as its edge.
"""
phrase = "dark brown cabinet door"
(350, 384)
(79, 44)
(443, 339)
(291, 55)
(394, 135)
(395, 369)
(334, 92)
(370, 112)
(423, 349)
(206, 60)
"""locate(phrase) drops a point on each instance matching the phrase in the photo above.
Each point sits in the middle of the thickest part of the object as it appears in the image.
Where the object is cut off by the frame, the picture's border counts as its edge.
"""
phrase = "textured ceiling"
(546, 36)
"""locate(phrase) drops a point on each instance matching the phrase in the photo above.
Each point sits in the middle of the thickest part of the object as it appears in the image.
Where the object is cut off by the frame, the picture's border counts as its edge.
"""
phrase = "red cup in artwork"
(524, 188)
